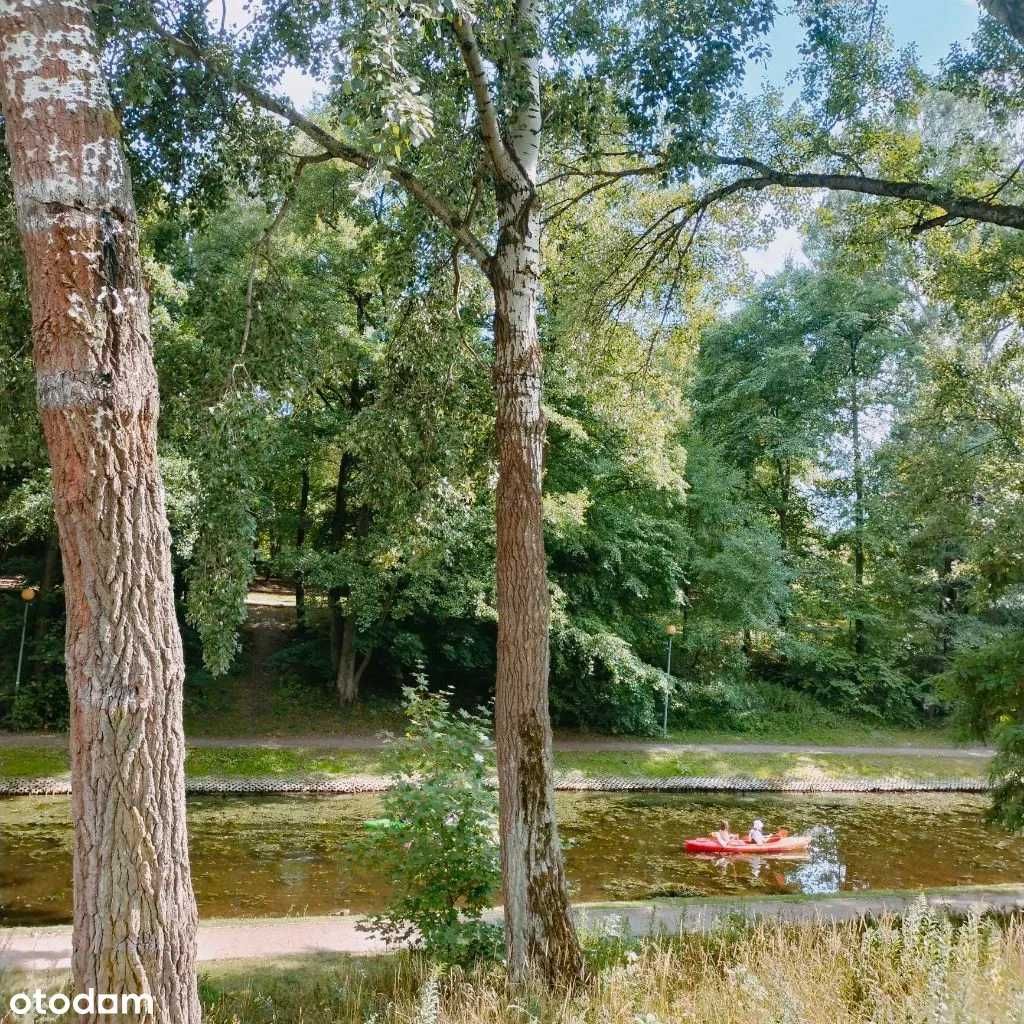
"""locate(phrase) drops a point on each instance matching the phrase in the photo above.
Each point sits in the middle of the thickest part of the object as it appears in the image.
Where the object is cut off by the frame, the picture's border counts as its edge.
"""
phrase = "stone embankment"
(564, 782)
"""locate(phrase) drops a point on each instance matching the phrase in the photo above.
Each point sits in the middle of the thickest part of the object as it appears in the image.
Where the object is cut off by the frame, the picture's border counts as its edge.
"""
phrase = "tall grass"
(923, 968)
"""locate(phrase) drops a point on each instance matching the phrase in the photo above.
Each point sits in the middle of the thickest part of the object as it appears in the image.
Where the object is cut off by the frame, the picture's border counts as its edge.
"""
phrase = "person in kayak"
(756, 833)
(725, 835)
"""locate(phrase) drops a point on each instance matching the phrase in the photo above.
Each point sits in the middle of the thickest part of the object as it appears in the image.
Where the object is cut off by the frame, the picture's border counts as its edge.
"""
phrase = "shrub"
(437, 842)
(751, 706)
(42, 698)
(598, 682)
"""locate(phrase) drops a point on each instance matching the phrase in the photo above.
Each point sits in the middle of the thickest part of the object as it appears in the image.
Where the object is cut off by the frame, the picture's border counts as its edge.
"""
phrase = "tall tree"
(494, 60)
(134, 912)
(861, 349)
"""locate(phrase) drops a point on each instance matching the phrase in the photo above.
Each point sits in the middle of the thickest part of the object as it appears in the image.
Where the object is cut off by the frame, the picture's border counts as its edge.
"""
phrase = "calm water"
(286, 855)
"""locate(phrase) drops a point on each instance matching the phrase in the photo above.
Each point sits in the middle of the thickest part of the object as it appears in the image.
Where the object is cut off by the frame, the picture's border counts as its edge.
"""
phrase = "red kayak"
(776, 844)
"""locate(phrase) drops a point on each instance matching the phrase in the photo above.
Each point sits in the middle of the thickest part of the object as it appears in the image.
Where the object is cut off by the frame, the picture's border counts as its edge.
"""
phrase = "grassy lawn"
(274, 706)
(846, 733)
(264, 697)
(254, 761)
(32, 762)
(921, 969)
(249, 762)
(764, 766)
(241, 762)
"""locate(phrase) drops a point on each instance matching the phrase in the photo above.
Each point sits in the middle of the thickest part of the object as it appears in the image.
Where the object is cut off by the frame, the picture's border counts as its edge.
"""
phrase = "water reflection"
(288, 855)
(824, 870)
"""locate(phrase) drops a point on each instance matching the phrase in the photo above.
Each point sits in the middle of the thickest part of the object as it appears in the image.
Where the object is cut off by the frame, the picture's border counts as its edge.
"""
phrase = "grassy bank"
(924, 968)
(838, 733)
(766, 766)
(249, 762)
(264, 696)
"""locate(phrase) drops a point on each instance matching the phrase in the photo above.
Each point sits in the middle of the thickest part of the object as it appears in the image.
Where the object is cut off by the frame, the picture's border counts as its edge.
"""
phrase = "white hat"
(758, 823)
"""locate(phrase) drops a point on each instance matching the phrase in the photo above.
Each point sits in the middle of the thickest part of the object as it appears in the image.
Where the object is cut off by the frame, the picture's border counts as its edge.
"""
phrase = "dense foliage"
(815, 475)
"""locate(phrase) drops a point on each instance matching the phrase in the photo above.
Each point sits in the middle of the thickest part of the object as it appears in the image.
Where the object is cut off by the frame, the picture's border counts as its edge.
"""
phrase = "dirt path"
(262, 938)
(268, 633)
(596, 744)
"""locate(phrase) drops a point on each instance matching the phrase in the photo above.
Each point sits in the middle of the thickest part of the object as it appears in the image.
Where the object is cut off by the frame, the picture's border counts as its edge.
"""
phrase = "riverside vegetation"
(923, 969)
(467, 350)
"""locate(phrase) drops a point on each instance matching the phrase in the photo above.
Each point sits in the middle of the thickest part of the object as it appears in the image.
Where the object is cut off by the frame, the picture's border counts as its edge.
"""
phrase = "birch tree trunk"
(538, 925)
(134, 912)
(539, 931)
(540, 934)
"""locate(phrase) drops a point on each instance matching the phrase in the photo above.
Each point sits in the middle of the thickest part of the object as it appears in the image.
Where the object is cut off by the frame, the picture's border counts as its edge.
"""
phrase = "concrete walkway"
(260, 938)
(596, 744)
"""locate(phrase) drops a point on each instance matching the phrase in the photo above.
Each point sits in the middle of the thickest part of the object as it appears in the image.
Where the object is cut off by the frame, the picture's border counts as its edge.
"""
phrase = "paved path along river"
(265, 938)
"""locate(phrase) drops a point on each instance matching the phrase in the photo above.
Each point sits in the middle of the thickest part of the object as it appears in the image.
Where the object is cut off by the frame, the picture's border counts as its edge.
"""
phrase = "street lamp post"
(28, 595)
(670, 632)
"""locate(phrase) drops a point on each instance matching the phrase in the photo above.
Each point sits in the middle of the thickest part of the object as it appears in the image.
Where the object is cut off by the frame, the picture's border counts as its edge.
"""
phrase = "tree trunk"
(347, 685)
(858, 501)
(540, 935)
(300, 540)
(134, 912)
(48, 580)
(947, 606)
(339, 524)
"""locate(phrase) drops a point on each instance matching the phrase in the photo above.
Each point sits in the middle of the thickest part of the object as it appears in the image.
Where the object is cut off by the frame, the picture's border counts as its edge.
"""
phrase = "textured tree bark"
(135, 915)
(540, 936)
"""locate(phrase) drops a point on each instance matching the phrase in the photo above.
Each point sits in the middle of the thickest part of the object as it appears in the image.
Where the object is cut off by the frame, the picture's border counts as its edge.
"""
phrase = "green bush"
(751, 706)
(42, 698)
(437, 841)
(599, 683)
(986, 678)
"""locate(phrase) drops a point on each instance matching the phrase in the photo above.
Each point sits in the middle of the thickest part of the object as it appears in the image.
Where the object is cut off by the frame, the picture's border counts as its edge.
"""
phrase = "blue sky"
(931, 25)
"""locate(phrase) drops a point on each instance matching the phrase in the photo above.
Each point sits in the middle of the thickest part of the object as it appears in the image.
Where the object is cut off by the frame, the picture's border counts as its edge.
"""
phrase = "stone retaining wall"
(564, 782)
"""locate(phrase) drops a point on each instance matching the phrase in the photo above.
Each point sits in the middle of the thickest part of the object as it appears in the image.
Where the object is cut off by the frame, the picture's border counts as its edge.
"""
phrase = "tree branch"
(967, 207)
(604, 179)
(504, 165)
(333, 145)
